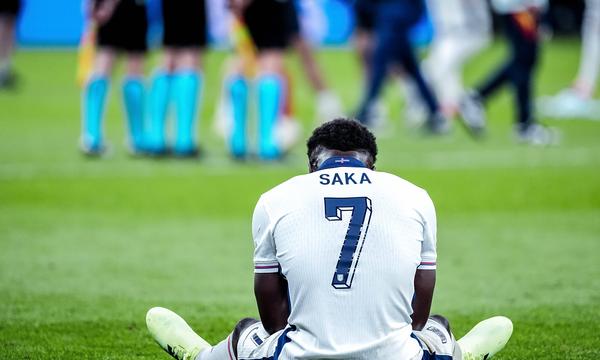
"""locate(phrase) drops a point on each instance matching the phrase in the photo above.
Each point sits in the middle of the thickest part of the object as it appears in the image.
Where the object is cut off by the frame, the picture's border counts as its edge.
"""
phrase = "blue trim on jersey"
(341, 161)
(426, 354)
(283, 339)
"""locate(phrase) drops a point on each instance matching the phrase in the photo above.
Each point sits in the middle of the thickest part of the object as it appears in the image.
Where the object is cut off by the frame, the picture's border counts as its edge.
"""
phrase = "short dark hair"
(342, 134)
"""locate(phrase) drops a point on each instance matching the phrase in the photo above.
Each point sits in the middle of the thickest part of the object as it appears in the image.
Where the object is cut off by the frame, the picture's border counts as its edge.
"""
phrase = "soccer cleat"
(538, 135)
(472, 114)
(437, 124)
(486, 338)
(92, 149)
(190, 153)
(174, 335)
(569, 103)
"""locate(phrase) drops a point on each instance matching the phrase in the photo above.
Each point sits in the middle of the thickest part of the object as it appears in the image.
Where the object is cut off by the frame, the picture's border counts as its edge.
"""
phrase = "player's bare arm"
(424, 286)
(271, 291)
(104, 10)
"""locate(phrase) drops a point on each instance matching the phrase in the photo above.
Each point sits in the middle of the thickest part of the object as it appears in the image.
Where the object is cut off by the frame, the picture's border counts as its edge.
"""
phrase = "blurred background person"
(393, 21)
(267, 22)
(577, 100)
(305, 24)
(122, 27)
(178, 80)
(521, 20)
(462, 29)
(9, 11)
(302, 15)
(364, 41)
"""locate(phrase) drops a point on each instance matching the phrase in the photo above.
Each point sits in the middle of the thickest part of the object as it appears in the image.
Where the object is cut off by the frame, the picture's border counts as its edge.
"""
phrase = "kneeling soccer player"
(345, 261)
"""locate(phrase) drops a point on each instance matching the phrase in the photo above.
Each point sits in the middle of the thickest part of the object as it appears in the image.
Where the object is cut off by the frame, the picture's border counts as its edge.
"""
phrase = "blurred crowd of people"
(387, 36)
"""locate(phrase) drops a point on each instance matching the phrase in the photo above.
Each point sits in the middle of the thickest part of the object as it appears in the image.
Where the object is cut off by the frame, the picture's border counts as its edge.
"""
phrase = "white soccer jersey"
(348, 240)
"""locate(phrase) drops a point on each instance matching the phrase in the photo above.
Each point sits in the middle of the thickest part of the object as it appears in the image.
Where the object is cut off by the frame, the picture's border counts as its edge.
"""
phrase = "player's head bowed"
(341, 136)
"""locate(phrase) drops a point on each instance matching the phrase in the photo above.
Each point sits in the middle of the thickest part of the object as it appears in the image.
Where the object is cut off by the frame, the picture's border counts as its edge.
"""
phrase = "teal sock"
(270, 91)
(238, 90)
(133, 98)
(187, 86)
(94, 98)
(160, 97)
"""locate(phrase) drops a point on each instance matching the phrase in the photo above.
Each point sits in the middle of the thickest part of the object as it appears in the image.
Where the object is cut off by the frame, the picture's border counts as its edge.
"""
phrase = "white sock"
(221, 351)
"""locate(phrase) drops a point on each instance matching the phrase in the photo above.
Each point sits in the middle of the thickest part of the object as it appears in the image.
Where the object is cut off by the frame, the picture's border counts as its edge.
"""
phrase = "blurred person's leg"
(160, 98)
(502, 74)
(364, 12)
(266, 22)
(364, 45)
(471, 105)
(179, 79)
(9, 10)
(522, 33)
(328, 103)
(238, 94)
(134, 97)
(393, 44)
(462, 29)
(124, 31)
(270, 90)
(132, 34)
(589, 66)
(187, 83)
(94, 102)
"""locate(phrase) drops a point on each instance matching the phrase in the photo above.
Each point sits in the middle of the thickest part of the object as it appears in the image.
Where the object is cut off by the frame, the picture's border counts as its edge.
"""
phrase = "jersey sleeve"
(265, 260)
(428, 246)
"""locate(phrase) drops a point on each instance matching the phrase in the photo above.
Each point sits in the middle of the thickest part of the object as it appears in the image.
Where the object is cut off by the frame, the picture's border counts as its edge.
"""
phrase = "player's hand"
(237, 6)
(104, 11)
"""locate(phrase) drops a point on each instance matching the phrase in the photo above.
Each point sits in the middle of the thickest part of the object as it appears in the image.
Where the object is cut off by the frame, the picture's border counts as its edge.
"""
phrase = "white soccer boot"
(174, 335)
(486, 338)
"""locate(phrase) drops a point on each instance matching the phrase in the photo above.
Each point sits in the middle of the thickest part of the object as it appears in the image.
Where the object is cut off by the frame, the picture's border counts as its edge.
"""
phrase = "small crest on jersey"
(342, 161)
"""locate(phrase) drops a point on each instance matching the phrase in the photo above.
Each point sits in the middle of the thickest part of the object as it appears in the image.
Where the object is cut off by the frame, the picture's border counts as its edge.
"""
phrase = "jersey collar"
(341, 161)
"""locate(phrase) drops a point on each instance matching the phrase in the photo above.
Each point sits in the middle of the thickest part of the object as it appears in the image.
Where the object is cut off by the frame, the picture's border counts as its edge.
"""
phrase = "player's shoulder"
(400, 184)
(286, 189)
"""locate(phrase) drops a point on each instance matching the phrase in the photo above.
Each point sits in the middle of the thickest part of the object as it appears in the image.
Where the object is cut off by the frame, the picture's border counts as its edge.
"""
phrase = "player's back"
(348, 240)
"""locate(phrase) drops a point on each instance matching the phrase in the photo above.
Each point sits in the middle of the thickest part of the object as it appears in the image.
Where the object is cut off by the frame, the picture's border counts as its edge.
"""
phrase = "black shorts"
(364, 12)
(293, 22)
(127, 28)
(184, 23)
(10, 7)
(268, 22)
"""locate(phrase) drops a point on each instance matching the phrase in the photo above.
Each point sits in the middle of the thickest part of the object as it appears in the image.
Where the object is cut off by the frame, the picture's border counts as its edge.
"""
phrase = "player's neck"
(340, 161)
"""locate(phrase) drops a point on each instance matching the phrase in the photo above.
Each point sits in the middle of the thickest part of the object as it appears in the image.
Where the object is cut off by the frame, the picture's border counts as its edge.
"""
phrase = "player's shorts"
(364, 15)
(184, 23)
(127, 28)
(268, 22)
(293, 22)
(435, 341)
(10, 7)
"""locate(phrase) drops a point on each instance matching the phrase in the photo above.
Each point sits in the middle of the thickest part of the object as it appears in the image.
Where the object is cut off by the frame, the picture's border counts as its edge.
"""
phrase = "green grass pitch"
(87, 246)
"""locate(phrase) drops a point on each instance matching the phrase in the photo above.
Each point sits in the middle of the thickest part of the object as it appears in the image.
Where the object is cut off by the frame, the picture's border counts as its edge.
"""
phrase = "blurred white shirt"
(514, 6)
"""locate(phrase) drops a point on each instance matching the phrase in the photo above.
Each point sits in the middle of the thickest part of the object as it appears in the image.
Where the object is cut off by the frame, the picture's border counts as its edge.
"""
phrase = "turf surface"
(87, 246)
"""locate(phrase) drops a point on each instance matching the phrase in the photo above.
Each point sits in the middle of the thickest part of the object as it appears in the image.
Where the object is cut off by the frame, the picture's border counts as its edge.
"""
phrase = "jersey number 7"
(360, 208)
